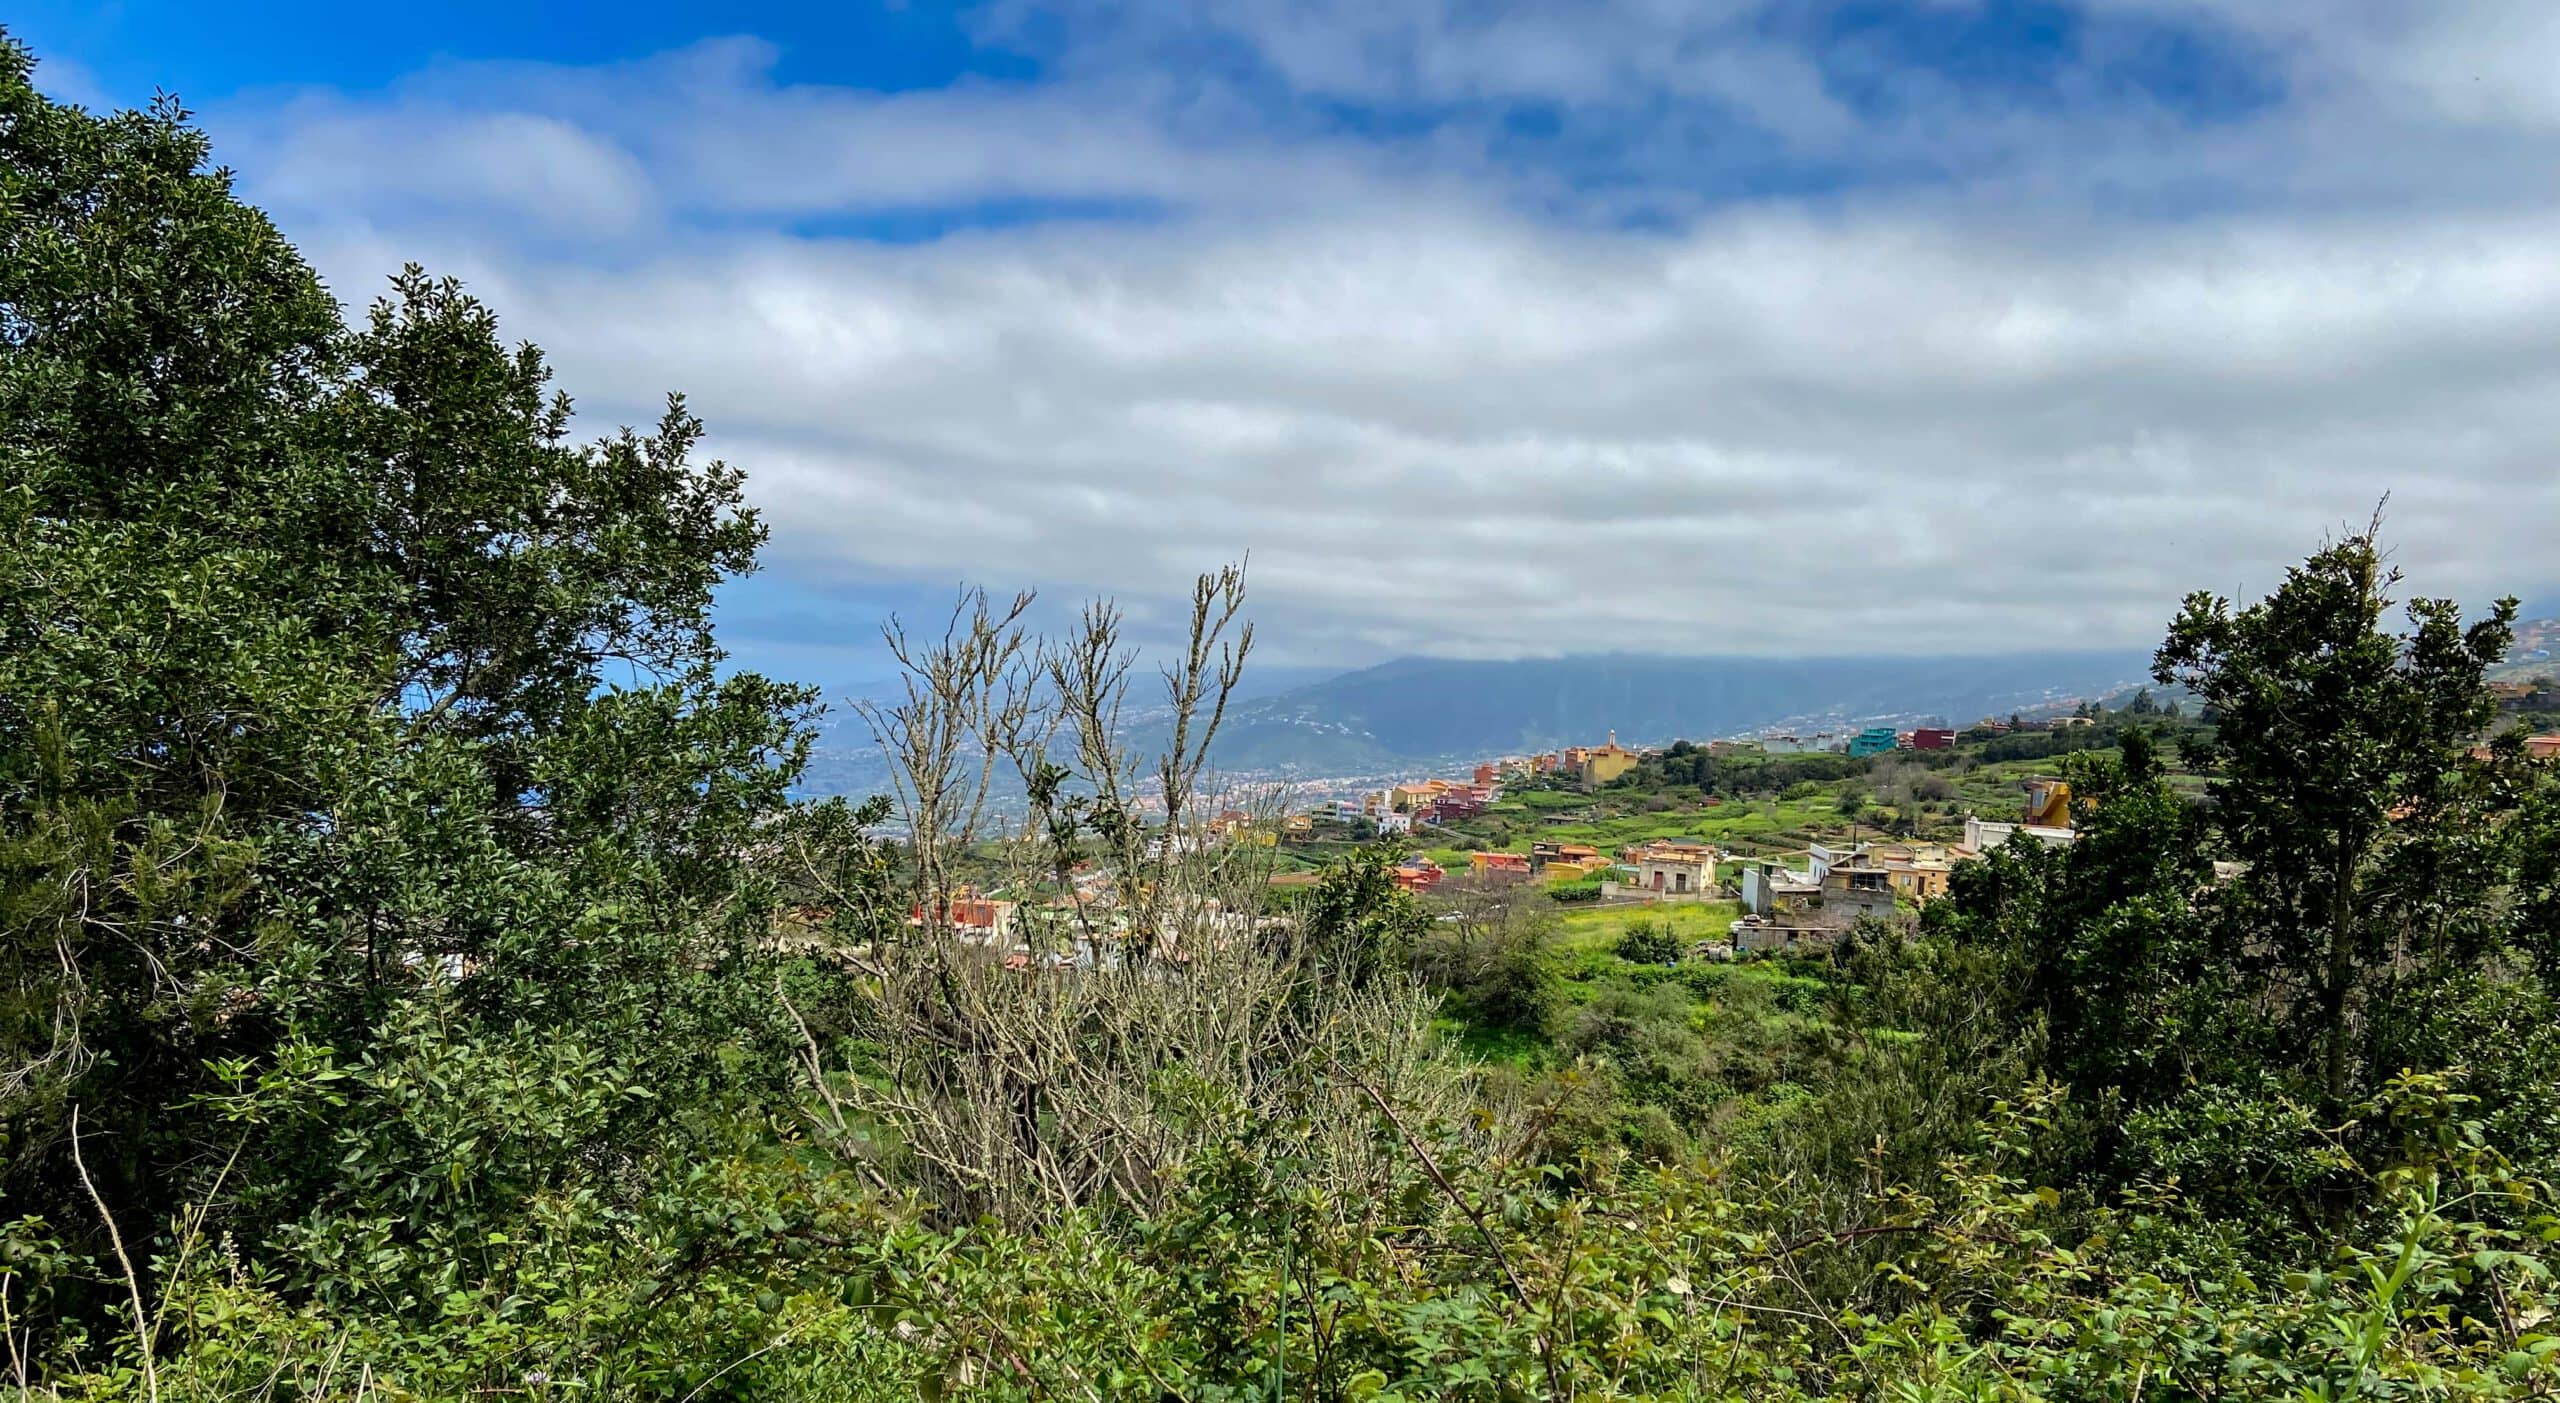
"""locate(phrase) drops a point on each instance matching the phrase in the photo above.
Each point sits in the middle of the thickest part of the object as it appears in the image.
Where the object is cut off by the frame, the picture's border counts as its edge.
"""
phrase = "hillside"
(2536, 650)
(1424, 711)
(1430, 708)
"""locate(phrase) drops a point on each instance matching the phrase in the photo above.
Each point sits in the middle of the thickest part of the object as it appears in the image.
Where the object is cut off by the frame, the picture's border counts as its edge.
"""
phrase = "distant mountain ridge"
(1428, 709)
(1399, 716)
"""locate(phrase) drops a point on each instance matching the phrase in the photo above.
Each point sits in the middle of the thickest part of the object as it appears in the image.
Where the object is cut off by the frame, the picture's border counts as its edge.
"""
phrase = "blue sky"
(1720, 326)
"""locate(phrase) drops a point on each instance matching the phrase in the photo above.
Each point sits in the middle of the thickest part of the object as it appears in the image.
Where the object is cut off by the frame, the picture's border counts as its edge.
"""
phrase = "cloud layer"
(1682, 328)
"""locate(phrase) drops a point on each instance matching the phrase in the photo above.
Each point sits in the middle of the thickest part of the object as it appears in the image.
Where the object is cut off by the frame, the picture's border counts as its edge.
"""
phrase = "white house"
(1982, 836)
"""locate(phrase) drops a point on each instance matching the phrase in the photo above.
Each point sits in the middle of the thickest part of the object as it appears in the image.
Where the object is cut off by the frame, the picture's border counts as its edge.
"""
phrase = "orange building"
(1419, 874)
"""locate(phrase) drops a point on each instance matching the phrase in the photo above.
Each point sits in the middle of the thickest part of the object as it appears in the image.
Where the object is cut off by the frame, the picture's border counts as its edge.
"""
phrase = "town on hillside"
(1781, 843)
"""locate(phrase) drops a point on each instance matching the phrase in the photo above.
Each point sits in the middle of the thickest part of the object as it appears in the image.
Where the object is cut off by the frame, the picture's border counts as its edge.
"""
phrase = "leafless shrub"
(1146, 1006)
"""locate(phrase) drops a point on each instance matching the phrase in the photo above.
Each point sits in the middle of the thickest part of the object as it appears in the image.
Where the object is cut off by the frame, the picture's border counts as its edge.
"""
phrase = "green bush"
(1648, 943)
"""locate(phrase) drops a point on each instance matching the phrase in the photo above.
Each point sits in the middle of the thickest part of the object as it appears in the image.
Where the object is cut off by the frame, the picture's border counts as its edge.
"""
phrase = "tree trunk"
(2342, 967)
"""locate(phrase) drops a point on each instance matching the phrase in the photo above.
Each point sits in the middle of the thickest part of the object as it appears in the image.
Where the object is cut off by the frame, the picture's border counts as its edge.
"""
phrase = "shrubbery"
(1648, 943)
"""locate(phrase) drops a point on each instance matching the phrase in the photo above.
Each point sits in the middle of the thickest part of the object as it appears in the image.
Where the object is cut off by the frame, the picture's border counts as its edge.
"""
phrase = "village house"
(2048, 804)
(1857, 889)
(1507, 867)
(1417, 874)
(1411, 798)
(1808, 910)
(1932, 738)
(1237, 826)
(1458, 804)
(1770, 891)
(1565, 861)
(1668, 847)
(1919, 872)
(970, 917)
(1673, 874)
(1982, 836)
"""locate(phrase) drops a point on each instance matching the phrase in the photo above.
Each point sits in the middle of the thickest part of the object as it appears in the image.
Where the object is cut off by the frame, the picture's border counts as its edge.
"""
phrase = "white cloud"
(1992, 410)
(420, 162)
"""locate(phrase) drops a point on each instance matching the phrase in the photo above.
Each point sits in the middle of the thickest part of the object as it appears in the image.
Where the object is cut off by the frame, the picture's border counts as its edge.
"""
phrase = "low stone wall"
(1623, 891)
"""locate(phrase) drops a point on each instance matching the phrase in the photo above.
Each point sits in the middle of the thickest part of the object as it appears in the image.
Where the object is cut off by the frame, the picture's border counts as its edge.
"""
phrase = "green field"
(1750, 828)
(1598, 927)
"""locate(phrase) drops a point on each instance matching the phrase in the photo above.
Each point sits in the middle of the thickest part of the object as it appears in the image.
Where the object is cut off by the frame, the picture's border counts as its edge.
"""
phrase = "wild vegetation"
(417, 980)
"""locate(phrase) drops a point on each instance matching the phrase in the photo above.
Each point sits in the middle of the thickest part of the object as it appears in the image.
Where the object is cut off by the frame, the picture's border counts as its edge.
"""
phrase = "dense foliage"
(416, 980)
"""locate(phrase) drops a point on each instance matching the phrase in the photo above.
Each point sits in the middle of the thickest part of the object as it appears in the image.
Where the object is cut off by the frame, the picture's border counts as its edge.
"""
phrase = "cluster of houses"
(1664, 869)
(1874, 740)
(1080, 927)
(1400, 808)
(1787, 907)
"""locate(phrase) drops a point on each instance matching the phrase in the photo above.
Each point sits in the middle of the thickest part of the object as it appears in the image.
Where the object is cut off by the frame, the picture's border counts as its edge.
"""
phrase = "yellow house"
(1601, 765)
(2048, 804)
(1918, 871)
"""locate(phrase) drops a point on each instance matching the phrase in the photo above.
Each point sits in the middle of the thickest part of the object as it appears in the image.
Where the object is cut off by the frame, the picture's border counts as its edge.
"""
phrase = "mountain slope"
(1429, 709)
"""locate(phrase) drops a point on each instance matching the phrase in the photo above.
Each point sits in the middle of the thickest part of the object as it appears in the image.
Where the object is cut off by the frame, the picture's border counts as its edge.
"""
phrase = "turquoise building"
(1874, 740)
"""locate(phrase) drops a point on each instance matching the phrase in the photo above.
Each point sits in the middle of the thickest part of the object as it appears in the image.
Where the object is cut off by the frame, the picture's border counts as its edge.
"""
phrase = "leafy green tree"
(2341, 753)
(348, 708)
(2108, 946)
(1357, 925)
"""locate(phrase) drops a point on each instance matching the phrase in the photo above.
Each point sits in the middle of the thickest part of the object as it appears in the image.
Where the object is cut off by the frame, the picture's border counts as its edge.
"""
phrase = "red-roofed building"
(971, 916)
(1418, 874)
